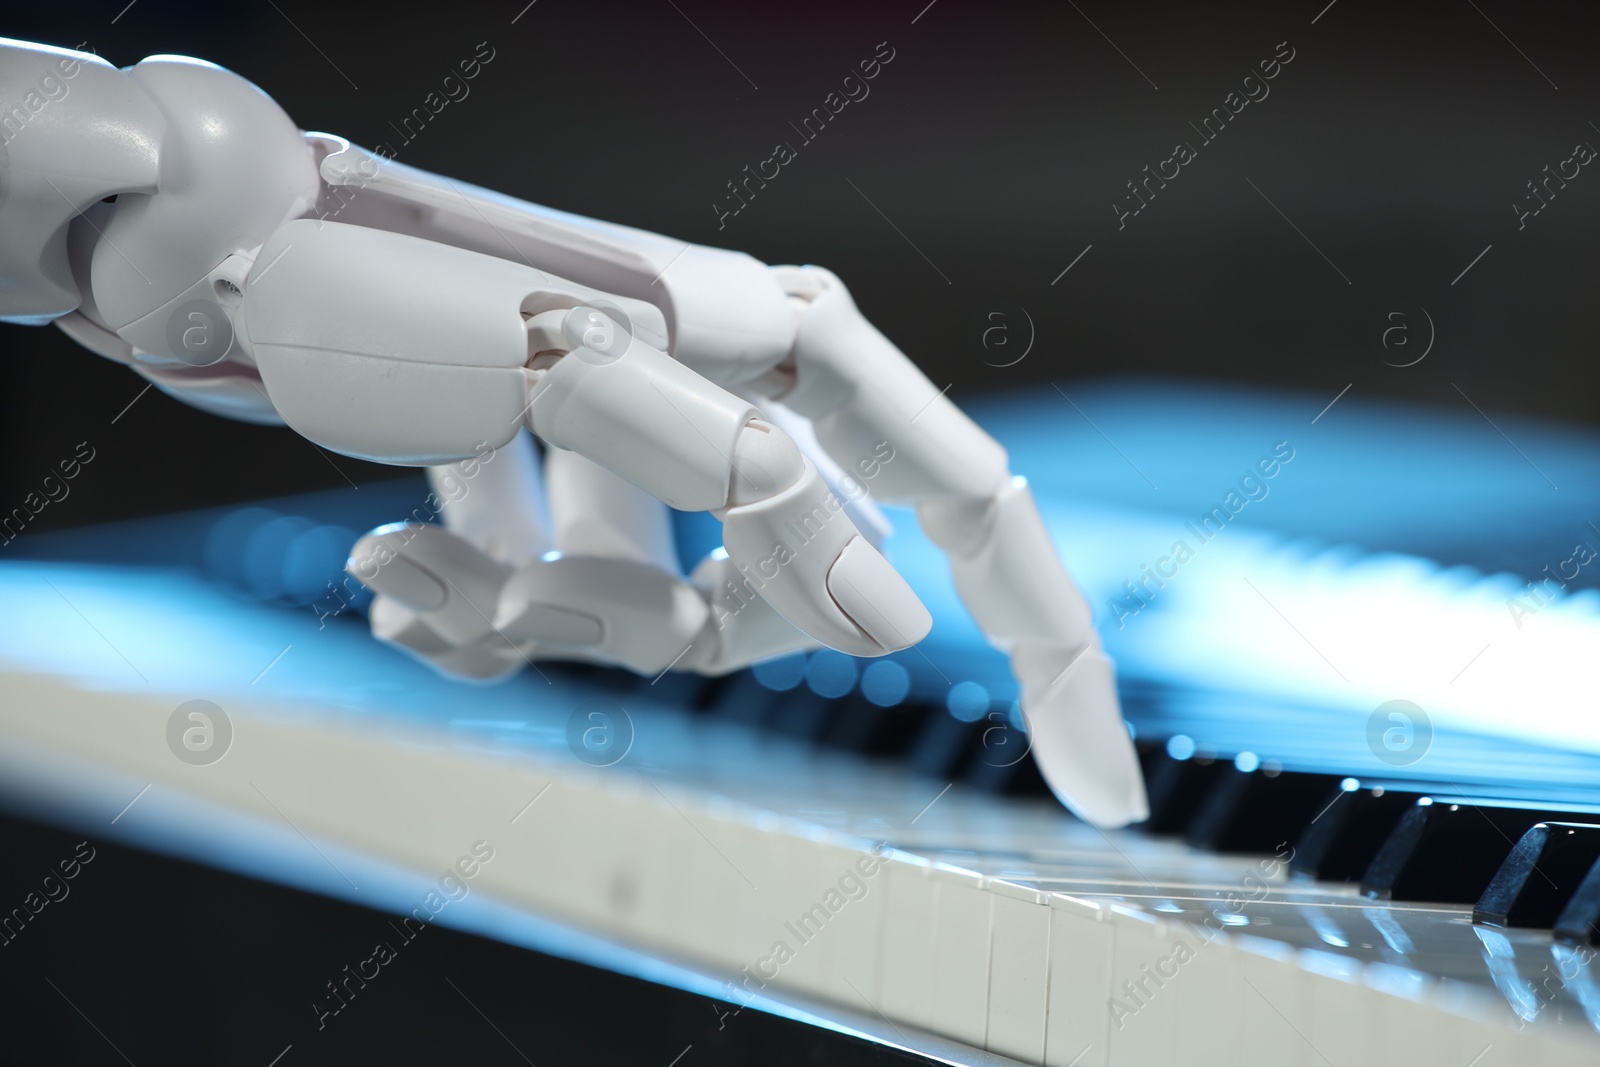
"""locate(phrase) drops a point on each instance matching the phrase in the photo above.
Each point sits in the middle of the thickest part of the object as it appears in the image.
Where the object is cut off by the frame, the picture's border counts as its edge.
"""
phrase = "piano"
(1363, 704)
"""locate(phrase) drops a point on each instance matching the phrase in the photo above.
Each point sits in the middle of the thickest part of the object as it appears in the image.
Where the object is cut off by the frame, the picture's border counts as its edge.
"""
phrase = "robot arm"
(399, 316)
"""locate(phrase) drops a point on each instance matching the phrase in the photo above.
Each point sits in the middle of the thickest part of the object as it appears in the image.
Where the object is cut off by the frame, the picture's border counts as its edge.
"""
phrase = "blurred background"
(1363, 229)
(973, 199)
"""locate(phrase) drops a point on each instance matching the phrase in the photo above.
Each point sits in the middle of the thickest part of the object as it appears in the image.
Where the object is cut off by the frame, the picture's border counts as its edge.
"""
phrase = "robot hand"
(495, 588)
(170, 216)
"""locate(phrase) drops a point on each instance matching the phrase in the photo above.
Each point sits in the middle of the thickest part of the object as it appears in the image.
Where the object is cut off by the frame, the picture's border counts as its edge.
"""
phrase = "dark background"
(996, 141)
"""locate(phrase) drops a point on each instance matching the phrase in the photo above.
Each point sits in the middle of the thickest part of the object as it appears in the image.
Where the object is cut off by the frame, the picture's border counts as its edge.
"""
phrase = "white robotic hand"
(170, 216)
(496, 589)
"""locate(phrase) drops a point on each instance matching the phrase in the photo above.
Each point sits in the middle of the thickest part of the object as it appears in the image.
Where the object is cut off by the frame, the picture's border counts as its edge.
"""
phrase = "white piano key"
(566, 830)
(1142, 1004)
(620, 863)
(663, 898)
(1211, 995)
(1278, 1006)
(1019, 969)
(798, 896)
(1414, 1029)
(1343, 1009)
(1562, 1050)
(913, 915)
(617, 861)
(833, 880)
(1558, 1035)
(1077, 1020)
(1483, 1030)
(859, 932)
(961, 955)
(1482, 1045)
(726, 853)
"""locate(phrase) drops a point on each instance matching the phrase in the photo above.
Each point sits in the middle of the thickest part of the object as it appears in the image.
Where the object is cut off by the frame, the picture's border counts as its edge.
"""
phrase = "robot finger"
(652, 421)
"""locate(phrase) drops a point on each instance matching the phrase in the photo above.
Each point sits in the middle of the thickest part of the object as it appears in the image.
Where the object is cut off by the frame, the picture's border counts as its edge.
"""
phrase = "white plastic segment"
(743, 627)
(425, 568)
(97, 339)
(1011, 579)
(613, 610)
(235, 168)
(453, 607)
(638, 413)
(86, 129)
(725, 316)
(1006, 569)
(387, 348)
(479, 661)
(860, 391)
(230, 388)
(436, 597)
(595, 513)
(229, 167)
(1077, 734)
(853, 487)
(790, 536)
(495, 502)
(395, 349)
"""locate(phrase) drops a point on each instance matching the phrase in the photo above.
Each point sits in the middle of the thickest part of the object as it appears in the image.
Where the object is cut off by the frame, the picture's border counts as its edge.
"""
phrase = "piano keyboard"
(783, 868)
(866, 848)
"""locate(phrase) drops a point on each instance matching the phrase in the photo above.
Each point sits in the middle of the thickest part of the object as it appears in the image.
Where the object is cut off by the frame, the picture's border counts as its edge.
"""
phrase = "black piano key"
(678, 690)
(744, 700)
(802, 714)
(1020, 779)
(1000, 759)
(1339, 844)
(944, 746)
(712, 690)
(1152, 751)
(1579, 921)
(1176, 788)
(1540, 875)
(850, 724)
(1259, 810)
(1448, 849)
(869, 729)
(611, 680)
